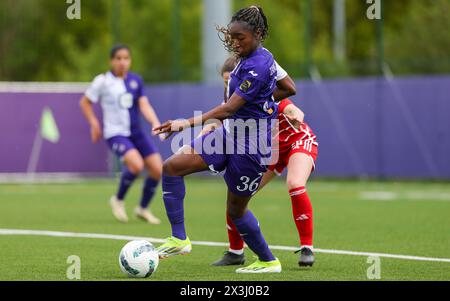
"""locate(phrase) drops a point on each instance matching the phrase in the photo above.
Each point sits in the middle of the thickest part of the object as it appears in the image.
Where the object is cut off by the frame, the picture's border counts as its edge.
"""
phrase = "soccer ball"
(138, 259)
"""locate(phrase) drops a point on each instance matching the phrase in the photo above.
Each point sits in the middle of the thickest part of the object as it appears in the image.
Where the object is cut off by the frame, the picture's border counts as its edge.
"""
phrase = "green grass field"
(411, 219)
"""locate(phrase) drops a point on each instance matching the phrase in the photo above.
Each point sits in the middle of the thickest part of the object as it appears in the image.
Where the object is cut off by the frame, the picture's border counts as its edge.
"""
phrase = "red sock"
(236, 242)
(303, 215)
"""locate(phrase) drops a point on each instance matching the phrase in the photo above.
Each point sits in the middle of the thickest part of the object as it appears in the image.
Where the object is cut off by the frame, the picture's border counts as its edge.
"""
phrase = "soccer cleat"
(146, 215)
(118, 209)
(306, 257)
(230, 258)
(174, 246)
(258, 266)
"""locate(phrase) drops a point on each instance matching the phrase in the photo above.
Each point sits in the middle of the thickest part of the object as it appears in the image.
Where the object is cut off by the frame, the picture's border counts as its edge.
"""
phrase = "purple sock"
(248, 227)
(125, 182)
(173, 195)
(148, 192)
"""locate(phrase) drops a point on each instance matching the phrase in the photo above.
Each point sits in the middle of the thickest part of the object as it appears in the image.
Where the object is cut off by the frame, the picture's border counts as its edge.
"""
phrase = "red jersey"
(292, 140)
(288, 133)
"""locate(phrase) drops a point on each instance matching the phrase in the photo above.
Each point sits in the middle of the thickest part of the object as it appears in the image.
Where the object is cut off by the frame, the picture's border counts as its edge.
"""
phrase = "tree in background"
(38, 42)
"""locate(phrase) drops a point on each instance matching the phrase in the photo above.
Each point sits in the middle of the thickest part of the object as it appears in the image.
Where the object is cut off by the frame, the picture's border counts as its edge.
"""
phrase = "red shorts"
(294, 145)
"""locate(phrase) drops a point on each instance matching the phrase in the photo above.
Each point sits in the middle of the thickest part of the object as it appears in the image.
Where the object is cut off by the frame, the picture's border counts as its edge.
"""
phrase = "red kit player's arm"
(291, 111)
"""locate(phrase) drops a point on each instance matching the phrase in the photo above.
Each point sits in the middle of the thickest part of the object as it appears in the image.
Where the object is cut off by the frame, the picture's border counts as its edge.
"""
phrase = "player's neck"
(122, 75)
(254, 51)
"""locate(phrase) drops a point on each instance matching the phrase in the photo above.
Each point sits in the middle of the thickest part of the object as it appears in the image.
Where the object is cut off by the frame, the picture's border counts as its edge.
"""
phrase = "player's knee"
(155, 173)
(169, 168)
(136, 167)
(295, 183)
(235, 212)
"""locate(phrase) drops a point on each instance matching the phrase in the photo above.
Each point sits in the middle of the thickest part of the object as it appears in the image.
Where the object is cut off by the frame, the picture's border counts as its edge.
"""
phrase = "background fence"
(373, 127)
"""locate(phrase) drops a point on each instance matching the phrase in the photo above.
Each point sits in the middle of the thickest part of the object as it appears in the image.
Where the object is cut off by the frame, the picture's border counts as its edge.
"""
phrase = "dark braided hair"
(254, 19)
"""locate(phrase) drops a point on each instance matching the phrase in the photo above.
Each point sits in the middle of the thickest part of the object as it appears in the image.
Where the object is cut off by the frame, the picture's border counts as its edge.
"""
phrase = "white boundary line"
(207, 243)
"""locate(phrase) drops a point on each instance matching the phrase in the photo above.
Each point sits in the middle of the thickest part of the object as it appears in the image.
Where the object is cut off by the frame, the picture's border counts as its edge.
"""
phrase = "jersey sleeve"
(94, 90)
(140, 90)
(281, 73)
(283, 104)
(253, 81)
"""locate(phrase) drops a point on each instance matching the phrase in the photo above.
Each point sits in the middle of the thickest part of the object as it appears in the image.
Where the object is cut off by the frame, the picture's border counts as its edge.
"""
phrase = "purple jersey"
(242, 147)
(249, 129)
(254, 79)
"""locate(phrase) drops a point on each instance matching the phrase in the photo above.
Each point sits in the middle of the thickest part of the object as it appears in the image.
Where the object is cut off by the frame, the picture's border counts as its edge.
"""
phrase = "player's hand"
(154, 133)
(96, 132)
(295, 121)
(170, 127)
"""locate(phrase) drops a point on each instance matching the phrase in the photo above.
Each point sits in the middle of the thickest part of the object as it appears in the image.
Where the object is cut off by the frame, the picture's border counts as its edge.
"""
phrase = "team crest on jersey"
(126, 101)
(134, 85)
(245, 86)
(267, 109)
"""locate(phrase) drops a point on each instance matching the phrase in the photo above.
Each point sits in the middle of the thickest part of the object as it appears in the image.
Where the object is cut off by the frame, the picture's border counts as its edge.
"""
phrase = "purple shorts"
(243, 172)
(120, 145)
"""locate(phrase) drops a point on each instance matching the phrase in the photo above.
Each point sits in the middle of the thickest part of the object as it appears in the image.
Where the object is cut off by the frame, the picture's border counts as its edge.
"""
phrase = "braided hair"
(254, 19)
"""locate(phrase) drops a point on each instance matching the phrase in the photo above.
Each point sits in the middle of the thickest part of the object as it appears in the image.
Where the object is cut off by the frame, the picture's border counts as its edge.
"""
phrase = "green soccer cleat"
(174, 246)
(258, 266)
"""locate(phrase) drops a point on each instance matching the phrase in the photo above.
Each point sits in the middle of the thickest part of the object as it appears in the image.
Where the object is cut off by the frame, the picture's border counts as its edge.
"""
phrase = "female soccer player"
(251, 87)
(291, 129)
(298, 150)
(122, 99)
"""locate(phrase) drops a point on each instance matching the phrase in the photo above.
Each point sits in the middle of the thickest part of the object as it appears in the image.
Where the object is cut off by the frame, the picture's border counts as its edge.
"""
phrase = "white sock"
(237, 252)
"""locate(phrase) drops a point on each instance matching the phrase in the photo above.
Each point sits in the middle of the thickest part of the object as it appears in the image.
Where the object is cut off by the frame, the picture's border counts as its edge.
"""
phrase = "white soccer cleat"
(118, 209)
(146, 215)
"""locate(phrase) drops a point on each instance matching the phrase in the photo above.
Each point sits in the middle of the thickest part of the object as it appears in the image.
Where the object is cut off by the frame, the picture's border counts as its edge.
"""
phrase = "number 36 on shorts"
(248, 184)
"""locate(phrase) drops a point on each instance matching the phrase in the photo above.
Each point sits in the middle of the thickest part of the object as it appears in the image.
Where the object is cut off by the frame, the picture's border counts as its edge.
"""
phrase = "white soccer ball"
(138, 259)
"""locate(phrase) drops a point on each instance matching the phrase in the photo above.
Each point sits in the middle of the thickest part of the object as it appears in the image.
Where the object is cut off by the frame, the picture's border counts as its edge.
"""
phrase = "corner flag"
(49, 129)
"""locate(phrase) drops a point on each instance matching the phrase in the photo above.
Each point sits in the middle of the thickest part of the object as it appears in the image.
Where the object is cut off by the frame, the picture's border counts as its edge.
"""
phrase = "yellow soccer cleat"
(259, 266)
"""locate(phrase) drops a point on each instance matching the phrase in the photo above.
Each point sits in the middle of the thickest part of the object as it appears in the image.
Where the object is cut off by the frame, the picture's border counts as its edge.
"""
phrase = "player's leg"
(235, 254)
(268, 176)
(248, 227)
(184, 162)
(299, 169)
(153, 164)
(133, 165)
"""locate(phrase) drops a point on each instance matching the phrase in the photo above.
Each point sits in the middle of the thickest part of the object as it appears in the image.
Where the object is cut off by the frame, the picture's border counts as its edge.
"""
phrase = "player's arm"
(285, 88)
(219, 113)
(209, 128)
(88, 112)
(148, 112)
(294, 114)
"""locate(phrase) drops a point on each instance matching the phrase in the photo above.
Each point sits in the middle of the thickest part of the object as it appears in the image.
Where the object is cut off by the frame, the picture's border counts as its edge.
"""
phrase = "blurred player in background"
(122, 99)
(251, 88)
(297, 152)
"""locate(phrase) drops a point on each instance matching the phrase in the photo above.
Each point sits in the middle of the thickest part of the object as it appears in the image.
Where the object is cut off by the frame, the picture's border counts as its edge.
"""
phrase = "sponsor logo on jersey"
(126, 101)
(253, 73)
